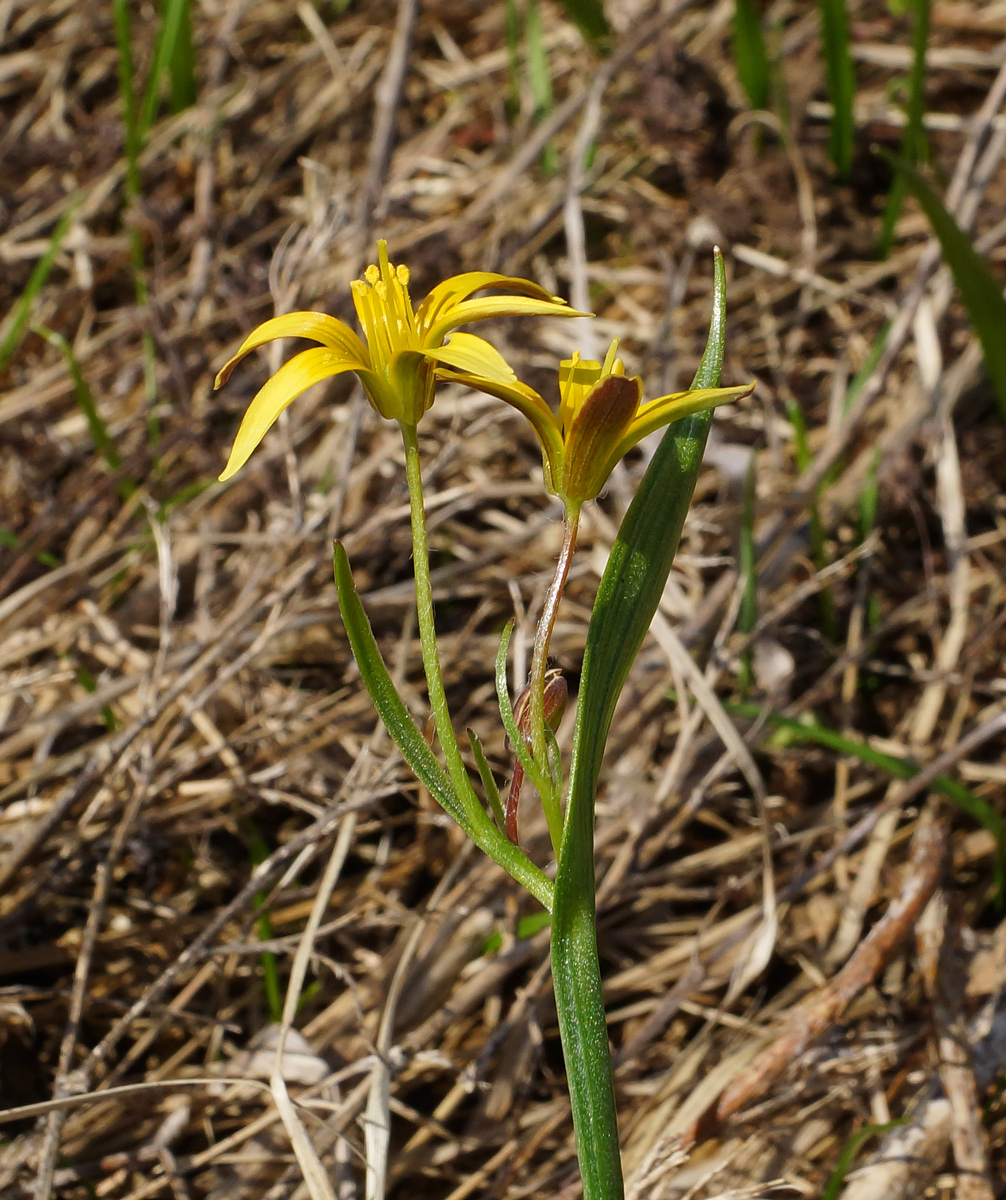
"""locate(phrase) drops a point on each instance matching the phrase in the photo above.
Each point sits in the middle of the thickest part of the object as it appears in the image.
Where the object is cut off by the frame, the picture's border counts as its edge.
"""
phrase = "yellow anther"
(372, 274)
(381, 288)
(402, 271)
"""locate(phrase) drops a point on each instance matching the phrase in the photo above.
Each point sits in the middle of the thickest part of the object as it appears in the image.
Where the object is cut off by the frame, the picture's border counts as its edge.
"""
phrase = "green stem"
(424, 612)
(579, 1003)
(483, 832)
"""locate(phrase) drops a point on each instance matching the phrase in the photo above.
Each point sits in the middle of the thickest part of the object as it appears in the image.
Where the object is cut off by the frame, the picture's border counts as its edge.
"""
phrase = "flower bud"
(556, 695)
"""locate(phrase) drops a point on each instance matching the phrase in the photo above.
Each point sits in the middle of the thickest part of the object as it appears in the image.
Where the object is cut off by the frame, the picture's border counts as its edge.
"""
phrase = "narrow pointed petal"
(474, 356)
(494, 306)
(655, 414)
(293, 378)
(319, 327)
(527, 401)
(601, 422)
(452, 291)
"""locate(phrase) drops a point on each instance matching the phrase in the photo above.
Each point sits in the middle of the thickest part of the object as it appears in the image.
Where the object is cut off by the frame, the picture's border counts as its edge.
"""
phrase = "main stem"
(424, 613)
(543, 638)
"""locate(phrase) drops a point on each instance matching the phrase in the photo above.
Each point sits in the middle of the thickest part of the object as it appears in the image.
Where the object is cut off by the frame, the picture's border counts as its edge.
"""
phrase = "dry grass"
(178, 694)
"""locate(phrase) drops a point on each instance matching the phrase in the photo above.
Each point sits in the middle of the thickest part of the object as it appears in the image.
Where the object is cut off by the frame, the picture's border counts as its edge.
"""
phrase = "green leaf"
(750, 55)
(390, 706)
(982, 295)
(848, 1156)
(835, 37)
(627, 598)
(913, 142)
(13, 325)
(967, 801)
(588, 16)
(488, 782)
(173, 23)
(392, 711)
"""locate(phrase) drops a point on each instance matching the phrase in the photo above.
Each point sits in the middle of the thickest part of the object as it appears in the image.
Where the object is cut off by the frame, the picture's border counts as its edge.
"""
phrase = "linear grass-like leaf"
(391, 709)
(836, 37)
(390, 706)
(982, 295)
(488, 782)
(182, 67)
(833, 1189)
(750, 54)
(173, 18)
(913, 141)
(967, 801)
(627, 598)
(14, 325)
(103, 442)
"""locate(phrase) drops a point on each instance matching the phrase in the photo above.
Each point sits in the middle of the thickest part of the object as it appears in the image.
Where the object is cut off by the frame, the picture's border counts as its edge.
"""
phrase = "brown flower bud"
(556, 695)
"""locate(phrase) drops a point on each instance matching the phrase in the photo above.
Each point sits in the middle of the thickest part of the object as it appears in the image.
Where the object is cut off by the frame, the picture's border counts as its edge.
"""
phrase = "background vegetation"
(809, 749)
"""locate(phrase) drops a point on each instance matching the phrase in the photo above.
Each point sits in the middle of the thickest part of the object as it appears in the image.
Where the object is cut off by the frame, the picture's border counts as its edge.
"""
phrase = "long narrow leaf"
(750, 55)
(627, 598)
(486, 775)
(164, 54)
(967, 801)
(913, 140)
(14, 325)
(390, 706)
(392, 711)
(982, 295)
(836, 36)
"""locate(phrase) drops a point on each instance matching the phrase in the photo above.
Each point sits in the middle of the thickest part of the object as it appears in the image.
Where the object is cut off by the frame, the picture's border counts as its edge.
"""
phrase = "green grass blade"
(627, 598)
(750, 54)
(174, 14)
(966, 800)
(258, 852)
(539, 74)
(981, 294)
(913, 142)
(182, 67)
(833, 1188)
(85, 402)
(19, 314)
(588, 16)
(127, 93)
(836, 37)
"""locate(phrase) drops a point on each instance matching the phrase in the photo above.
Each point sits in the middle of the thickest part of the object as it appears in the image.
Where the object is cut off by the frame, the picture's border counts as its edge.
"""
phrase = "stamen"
(372, 274)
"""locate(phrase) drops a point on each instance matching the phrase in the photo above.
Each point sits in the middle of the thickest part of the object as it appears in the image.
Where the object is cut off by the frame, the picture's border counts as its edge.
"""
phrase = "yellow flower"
(601, 417)
(400, 350)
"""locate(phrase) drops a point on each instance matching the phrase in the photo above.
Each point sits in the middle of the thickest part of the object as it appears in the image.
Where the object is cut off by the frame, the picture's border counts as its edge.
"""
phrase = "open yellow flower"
(601, 417)
(401, 348)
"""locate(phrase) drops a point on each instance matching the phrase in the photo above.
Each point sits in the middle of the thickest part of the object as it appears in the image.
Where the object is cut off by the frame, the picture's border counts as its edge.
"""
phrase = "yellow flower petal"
(662, 411)
(451, 292)
(474, 355)
(294, 377)
(527, 401)
(494, 306)
(319, 327)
